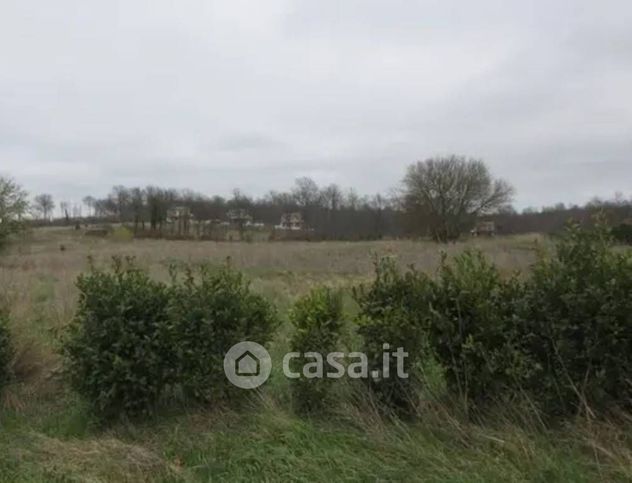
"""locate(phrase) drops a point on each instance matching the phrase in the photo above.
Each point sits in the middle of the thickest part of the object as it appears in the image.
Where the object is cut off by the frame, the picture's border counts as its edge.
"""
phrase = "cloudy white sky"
(212, 95)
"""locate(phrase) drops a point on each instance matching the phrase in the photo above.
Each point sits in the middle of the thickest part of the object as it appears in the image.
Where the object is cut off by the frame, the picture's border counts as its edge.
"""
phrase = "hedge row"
(562, 335)
(135, 340)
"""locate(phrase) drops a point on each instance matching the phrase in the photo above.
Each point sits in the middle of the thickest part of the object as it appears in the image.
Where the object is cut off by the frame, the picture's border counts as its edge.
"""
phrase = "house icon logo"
(247, 365)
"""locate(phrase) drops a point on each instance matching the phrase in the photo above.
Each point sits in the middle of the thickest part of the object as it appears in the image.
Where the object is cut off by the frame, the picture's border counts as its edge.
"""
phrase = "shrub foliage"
(117, 349)
(622, 233)
(317, 319)
(578, 323)
(133, 339)
(394, 310)
(561, 335)
(209, 314)
(6, 348)
(473, 329)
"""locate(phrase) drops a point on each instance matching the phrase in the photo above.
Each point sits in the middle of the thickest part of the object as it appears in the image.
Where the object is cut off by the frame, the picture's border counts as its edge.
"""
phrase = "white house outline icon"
(247, 364)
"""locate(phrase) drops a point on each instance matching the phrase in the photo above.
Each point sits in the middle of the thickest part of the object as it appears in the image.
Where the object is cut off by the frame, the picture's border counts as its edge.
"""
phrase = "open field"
(47, 434)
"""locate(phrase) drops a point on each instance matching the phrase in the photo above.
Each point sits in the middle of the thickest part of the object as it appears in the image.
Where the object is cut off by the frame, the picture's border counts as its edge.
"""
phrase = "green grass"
(57, 440)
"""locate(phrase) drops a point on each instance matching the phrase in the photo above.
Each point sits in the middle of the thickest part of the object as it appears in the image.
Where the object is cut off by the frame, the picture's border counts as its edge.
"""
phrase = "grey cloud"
(249, 142)
(213, 95)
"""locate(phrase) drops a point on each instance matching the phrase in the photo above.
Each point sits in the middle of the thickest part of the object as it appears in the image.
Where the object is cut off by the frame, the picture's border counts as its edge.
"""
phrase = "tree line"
(440, 197)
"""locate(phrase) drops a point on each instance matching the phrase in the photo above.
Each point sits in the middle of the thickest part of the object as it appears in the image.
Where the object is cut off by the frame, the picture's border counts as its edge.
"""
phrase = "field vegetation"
(480, 407)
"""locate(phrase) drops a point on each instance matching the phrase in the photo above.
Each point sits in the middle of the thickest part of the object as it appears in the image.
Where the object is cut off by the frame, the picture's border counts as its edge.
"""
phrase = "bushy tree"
(448, 193)
(13, 207)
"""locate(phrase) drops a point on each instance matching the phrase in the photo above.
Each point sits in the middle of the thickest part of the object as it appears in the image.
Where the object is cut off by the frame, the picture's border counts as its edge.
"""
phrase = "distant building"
(484, 228)
(239, 217)
(179, 218)
(291, 221)
(178, 212)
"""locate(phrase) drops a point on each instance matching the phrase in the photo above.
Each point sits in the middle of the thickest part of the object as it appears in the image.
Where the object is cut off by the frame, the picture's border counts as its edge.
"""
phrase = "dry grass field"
(46, 433)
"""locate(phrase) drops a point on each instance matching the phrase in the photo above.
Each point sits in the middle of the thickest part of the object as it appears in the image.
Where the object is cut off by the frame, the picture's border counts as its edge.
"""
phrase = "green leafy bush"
(395, 310)
(473, 329)
(117, 349)
(6, 349)
(623, 233)
(318, 322)
(209, 314)
(577, 323)
(563, 336)
(134, 339)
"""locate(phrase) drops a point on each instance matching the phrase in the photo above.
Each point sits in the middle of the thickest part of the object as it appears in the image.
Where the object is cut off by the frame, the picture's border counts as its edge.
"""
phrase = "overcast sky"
(212, 95)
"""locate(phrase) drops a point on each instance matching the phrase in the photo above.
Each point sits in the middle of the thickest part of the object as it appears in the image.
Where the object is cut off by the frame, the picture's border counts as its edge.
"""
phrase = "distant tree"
(157, 205)
(284, 201)
(331, 200)
(121, 197)
(450, 192)
(619, 199)
(44, 205)
(90, 202)
(137, 202)
(306, 195)
(64, 206)
(377, 204)
(595, 202)
(352, 199)
(507, 210)
(331, 197)
(102, 208)
(13, 207)
(330, 212)
(239, 200)
(554, 208)
(306, 192)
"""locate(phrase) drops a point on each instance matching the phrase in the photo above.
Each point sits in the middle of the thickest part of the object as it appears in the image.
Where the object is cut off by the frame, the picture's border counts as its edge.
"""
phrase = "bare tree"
(120, 197)
(329, 212)
(352, 199)
(90, 202)
(137, 201)
(331, 197)
(306, 192)
(239, 200)
(44, 205)
(64, 206)
(450, 192)
(156, 206)
(306, 195)
(13, 207)
(76, 210)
